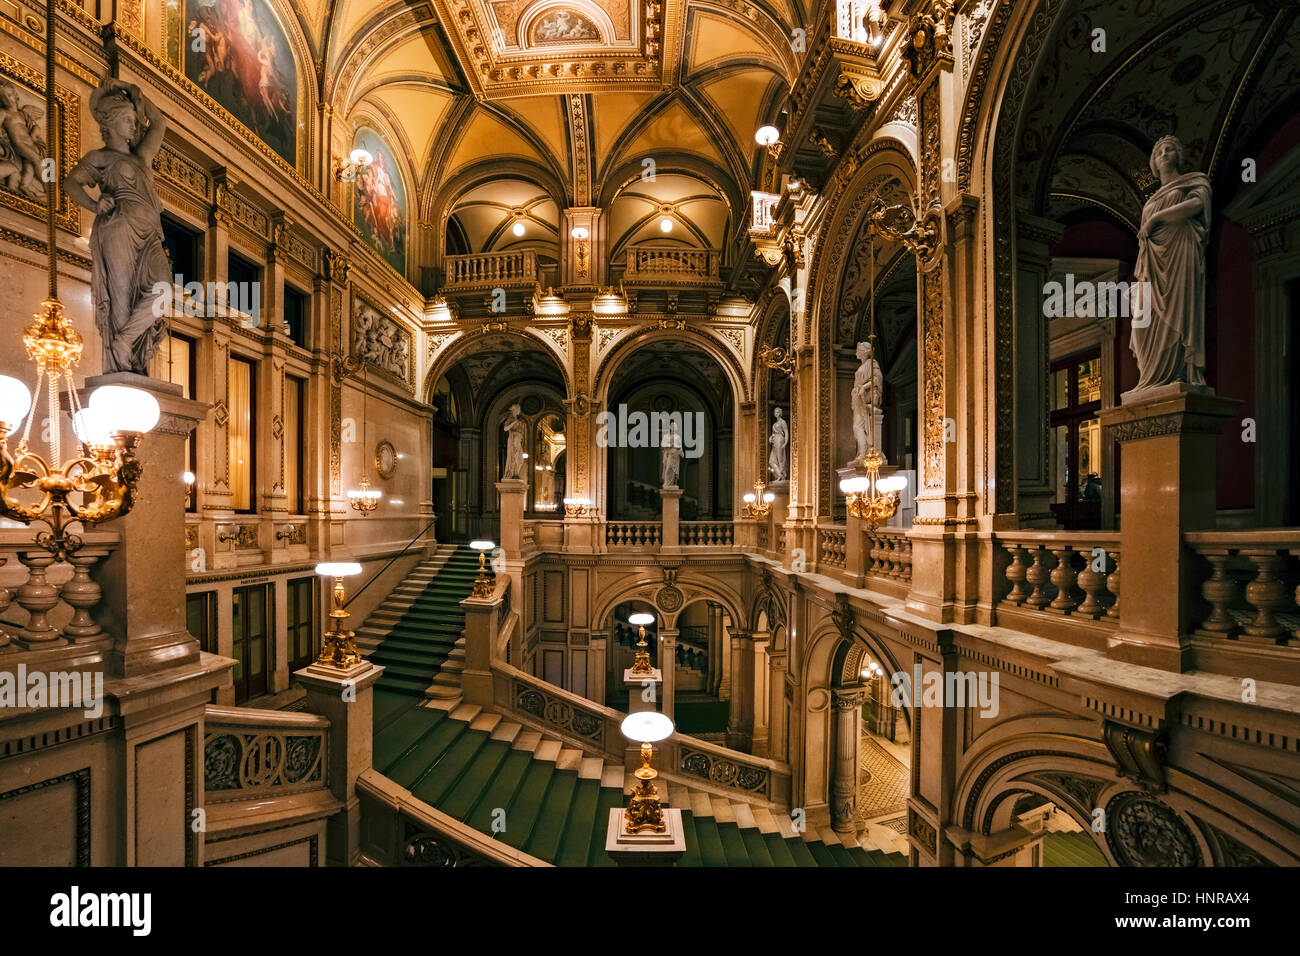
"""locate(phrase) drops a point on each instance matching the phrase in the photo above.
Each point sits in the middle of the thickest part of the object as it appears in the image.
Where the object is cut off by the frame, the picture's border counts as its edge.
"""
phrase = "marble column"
(777, 732)
(740, 719)
(668, 665)
(844, 778)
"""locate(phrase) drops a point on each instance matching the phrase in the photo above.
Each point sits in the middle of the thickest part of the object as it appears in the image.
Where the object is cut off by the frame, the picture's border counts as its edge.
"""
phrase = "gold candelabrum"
(99, 484)
(871, 498)
(364, 499)
(484, 584)
(645, 814)
(641, 662)
(338, 645)
(758, 503)
(578, 508)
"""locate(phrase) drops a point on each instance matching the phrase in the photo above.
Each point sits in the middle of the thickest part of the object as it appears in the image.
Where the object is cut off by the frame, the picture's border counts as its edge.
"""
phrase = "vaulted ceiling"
(572, 101)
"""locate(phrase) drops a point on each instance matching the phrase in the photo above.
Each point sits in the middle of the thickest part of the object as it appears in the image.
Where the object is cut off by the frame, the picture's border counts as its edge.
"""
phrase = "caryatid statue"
(514, 428)
(130, 276)
(867, 395)
(780, 442)
(1168, 304)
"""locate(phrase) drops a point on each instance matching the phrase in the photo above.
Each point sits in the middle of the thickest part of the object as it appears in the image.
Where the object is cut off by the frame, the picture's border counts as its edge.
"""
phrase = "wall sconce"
(769, 135)
(188, 478)
(644, 812)
(345, 171)
(577, 507)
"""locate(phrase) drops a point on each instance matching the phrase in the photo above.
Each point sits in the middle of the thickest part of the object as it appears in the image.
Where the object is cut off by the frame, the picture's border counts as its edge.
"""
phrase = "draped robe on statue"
(1171, 261)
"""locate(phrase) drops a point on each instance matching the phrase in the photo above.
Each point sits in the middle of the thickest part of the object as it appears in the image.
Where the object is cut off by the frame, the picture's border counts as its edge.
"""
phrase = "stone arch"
(629, 344)
(469, 343)
(647, 587)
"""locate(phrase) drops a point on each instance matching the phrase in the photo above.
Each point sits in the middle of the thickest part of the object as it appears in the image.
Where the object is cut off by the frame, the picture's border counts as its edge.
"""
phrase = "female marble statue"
(1168, 337)
(867, 395)
(670, 457)
(128, 261)
(780, 440)
(514, 429)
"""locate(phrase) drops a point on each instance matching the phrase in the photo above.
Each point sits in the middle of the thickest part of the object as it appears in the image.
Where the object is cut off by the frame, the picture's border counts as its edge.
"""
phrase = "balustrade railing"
(706, 534)
(260, 754)
(1067, 573)
(657, 262)
(764, 536)
(491, 269)
(633, 535)
(1252, 585)
(44, 604)
(887, 553)
(831, 545)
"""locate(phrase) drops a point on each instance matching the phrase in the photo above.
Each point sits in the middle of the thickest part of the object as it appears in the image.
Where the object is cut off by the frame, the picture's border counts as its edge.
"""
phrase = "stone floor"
(882, 781)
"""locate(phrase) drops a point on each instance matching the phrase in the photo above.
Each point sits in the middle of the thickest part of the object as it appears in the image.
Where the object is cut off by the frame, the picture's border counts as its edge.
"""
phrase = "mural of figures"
(559, 26)
(243, 61)
(379, 200)
(22, 141)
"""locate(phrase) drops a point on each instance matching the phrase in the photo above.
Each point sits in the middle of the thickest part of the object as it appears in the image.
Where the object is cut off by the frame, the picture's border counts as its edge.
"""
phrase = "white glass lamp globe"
(749, 499)
(666, 224)
(580, 232)
(647, 726)
(360, 157)
(187, 477)
(15, 401)
(853, 486)
(517, 229)
(892, 483)
(769, 497)
(767, 135)
(338, 569)
(125, 409)
(482, 545)
(91, 427)
(641, 619)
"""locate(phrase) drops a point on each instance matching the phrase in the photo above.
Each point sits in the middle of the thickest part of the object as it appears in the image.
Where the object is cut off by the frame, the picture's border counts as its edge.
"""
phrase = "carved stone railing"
(831, 544)
(1252, 585)
(659, 263)
(263, 753)
(565, 713)
(46, 605)
(764, 536)
(887, 553)
(724, 769)
(491, 269)
(707, 534)
(1072, 574)
(633, 535)
(398, 829)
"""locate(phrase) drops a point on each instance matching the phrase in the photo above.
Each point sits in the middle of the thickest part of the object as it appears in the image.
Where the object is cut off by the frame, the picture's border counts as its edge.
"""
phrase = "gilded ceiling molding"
(578, 118)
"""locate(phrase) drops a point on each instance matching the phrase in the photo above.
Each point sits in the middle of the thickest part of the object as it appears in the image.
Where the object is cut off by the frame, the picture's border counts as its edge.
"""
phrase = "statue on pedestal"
(514, 429)
(1168, 338)
(867, 395)
(131, 278)
(670, 457)
(780, 441)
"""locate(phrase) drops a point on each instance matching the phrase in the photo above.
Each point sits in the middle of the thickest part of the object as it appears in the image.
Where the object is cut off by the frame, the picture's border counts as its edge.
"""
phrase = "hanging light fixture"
(758, 503)
(364, 499)
(99, 484)
(871, 498)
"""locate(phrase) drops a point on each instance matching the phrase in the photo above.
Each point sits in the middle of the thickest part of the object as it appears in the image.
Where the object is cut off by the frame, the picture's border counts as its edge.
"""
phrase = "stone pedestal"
(346, 697)
(646, 849)
(480, 638)
(144, 578)
(1168, 489)
(636, 685)
(511, 493)
(671, 520)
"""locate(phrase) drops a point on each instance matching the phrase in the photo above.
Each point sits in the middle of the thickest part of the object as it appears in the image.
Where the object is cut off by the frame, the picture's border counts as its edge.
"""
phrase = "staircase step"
(778, 850)
(441, 776)
(492, 805)
(548, 750)
(723, 811)
(784, 824)
(756, 848)
(591, 768)
(799, 852)
(547, 831)
(711, 851)
(733, 845)
(485, 722)
(460, 799)
(581, 828)
(764, 821)
(612, 777)
(466, 712)
(528, 740)
(701, 805)
(568, 759)
(744, 816)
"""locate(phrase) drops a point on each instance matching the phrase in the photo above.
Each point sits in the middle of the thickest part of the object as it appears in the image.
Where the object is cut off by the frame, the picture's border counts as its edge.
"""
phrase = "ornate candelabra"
(645, 814)
(483, 583)
(641, 662)
(578, 507)
(871, 498)
(338, 647)
(363, 498)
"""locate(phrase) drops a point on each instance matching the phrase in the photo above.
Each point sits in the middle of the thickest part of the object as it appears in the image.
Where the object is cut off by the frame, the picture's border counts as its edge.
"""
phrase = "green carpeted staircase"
(1071, 849)
(414, 633)
(472, 764)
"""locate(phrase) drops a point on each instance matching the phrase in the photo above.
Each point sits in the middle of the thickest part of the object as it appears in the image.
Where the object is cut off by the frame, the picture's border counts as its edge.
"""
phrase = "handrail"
(391, 560)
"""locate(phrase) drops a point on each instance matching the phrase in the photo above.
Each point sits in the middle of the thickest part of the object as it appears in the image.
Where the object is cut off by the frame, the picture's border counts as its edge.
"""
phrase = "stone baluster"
(1064, 577)
(6, 598)
(1266, 594)
(1093, 582)
(1038, 575)
(1016, 574)
(37, 597)
(83, 594)
(1220, 592)
(1112, 584)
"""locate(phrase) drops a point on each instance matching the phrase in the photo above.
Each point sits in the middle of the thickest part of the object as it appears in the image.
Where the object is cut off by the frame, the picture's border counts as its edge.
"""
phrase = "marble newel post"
(1167, 489)
(144, 578)
(844, 782)
(512, 492)
(670, 519)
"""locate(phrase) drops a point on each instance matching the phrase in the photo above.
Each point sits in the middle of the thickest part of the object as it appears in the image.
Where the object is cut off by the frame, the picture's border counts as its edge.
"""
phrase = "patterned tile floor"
(882, 779)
